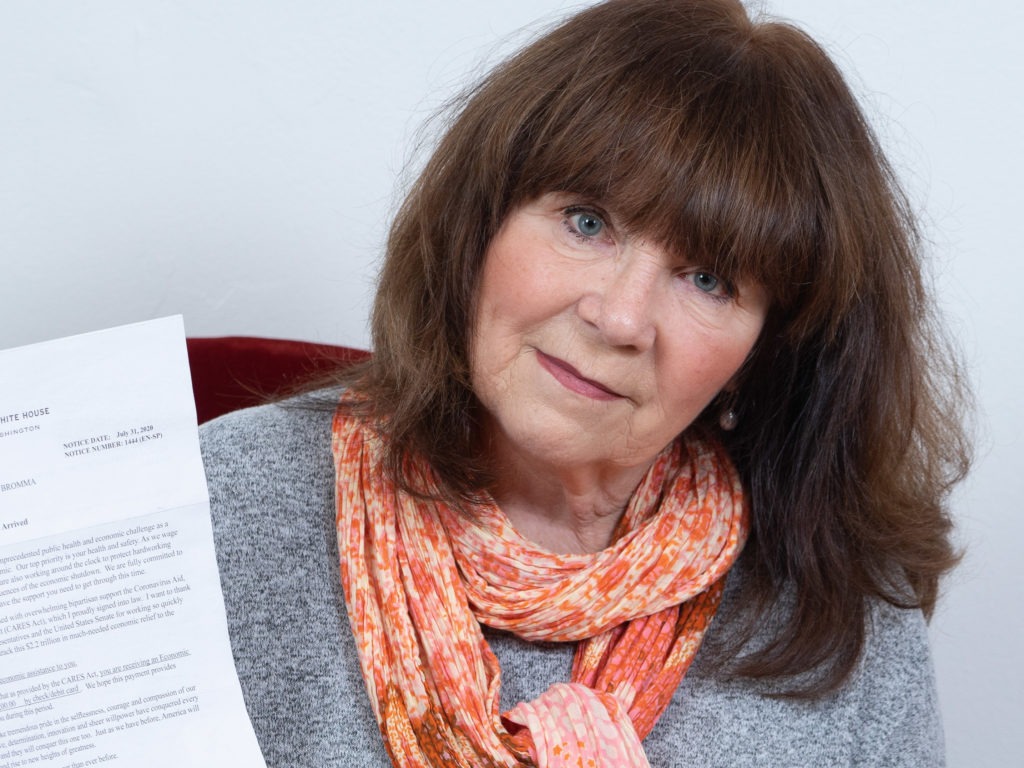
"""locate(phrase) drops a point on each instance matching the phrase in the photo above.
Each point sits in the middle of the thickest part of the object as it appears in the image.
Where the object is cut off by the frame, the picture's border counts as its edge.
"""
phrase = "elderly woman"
(648, 465)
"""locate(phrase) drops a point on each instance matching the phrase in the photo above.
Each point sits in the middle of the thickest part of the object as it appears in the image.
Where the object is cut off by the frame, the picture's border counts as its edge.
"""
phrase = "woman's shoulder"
(895, 686)
(885, 714)
(270, 470)
(268, 429)
(896, 649)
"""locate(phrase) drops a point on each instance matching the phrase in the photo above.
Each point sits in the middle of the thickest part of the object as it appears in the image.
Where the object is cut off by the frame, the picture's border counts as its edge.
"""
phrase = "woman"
(649, 464)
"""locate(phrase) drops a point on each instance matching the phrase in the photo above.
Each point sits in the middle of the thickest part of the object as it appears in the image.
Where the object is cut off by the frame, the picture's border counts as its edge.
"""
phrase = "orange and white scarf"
(420, 578)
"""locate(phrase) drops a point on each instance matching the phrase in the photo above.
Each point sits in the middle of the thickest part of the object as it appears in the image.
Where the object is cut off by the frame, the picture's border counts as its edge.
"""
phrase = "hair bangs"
(704, 157)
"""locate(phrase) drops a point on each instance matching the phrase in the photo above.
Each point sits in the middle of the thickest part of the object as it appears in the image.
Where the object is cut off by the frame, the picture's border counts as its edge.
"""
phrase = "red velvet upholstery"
(231, 372)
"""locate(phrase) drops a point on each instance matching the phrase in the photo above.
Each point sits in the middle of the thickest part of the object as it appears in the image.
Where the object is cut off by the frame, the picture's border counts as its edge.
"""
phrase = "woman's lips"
(575, 381)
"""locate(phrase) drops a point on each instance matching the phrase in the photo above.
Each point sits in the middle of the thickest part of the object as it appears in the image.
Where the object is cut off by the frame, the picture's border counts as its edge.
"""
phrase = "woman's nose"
(620, 304)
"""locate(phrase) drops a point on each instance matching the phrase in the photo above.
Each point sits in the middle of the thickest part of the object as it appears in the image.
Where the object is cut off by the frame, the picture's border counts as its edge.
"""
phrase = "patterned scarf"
(420, 578)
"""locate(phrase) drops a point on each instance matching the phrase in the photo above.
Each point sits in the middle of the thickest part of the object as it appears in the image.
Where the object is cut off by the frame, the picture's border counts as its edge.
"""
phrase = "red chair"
(232, 372)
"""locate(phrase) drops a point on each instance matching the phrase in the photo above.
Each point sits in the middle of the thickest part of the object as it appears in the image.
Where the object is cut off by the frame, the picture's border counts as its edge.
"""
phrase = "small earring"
(728, 419)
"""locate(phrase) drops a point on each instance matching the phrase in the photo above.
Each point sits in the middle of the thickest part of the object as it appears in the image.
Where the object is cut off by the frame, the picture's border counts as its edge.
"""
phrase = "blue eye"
(587, 224)
(710, 284)
(706, 281)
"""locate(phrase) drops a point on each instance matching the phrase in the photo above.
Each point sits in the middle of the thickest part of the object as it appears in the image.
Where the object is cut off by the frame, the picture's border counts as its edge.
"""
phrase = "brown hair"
(740, 143)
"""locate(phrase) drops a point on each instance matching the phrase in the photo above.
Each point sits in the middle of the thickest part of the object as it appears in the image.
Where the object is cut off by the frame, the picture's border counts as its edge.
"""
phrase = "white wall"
(234, 161)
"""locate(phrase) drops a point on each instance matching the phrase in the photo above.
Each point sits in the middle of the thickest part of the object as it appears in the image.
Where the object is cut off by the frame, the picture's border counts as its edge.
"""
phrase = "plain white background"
(236, 161)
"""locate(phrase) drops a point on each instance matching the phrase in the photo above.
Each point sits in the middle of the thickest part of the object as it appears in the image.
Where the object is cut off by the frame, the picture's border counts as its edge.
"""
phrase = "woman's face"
(591, 348)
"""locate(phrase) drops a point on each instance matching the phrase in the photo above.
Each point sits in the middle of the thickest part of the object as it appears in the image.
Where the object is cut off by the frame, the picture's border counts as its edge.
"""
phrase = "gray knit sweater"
(271, 480)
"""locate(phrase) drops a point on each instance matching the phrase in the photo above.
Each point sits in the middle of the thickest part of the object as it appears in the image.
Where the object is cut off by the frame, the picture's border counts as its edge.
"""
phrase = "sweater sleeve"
(899, 721)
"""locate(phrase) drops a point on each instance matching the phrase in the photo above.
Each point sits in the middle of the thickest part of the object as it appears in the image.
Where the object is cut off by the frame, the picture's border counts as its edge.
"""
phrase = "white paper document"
(113, 642)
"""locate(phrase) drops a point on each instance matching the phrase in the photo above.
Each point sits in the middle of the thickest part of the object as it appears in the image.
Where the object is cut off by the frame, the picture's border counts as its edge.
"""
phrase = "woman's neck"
(568, 510)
